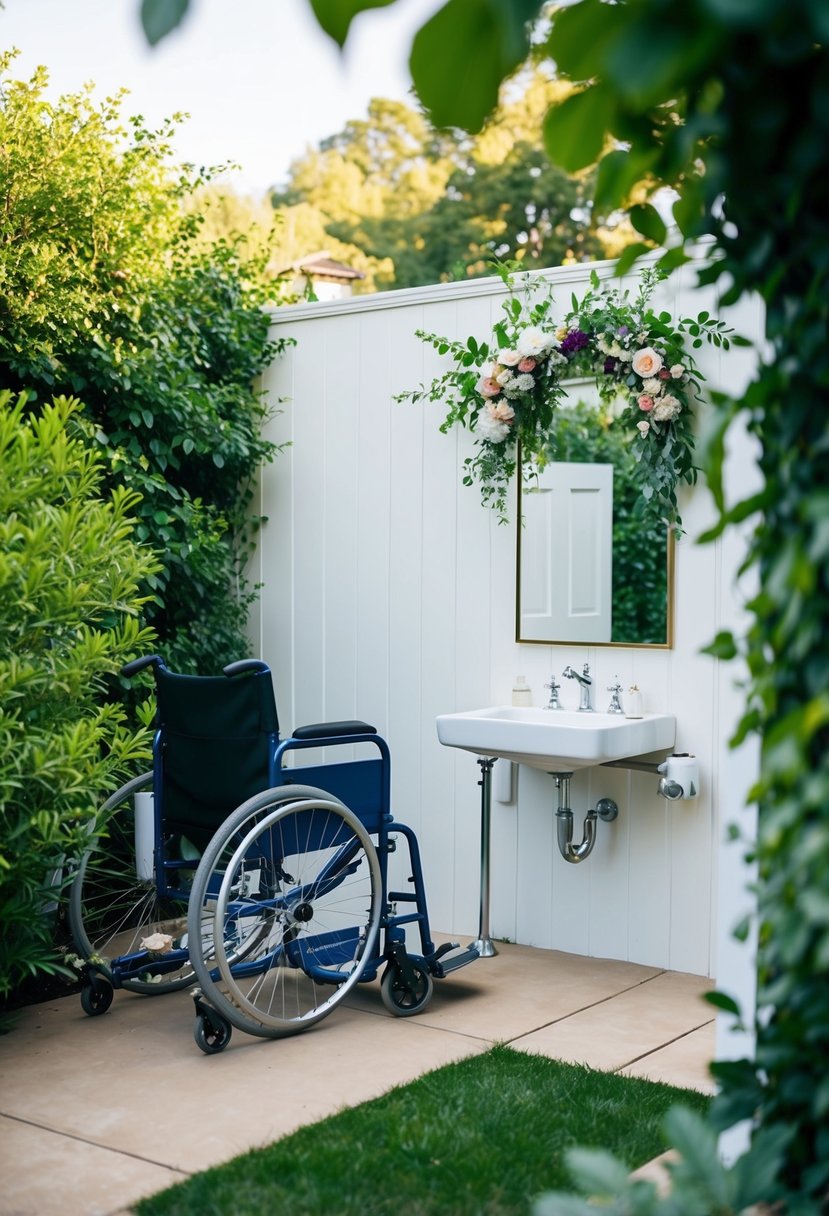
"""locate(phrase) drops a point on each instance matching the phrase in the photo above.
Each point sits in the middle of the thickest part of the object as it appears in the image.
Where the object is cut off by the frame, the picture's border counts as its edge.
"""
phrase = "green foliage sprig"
(507, 391)
(70, 572)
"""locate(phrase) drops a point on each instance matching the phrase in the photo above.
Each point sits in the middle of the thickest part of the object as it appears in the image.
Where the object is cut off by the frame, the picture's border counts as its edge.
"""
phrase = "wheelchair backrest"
(214, 746)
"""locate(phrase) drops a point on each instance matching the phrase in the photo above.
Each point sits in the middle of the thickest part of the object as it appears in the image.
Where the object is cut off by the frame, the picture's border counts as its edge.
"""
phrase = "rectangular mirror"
(589, 570)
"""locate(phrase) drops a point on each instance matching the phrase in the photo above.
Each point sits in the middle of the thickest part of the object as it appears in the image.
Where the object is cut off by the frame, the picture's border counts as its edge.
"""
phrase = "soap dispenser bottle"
(521, 692)
(635, 707)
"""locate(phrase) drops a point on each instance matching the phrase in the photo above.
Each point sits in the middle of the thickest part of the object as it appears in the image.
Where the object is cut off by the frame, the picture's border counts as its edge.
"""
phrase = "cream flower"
(157, 943)
(677, 370)
(493, 430)
(646, 362)
(508, 358)
(653, 386)
(643, 428)
(666, 408)
(533, 342)
(504, 377)
(500, 411)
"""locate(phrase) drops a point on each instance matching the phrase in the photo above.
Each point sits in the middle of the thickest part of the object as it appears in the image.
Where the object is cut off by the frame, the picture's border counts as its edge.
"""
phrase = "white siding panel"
(390, 595)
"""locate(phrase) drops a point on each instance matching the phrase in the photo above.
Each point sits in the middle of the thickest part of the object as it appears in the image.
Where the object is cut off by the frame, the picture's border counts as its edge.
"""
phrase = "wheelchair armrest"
(243, 665)
(333, 730)
(147, 660)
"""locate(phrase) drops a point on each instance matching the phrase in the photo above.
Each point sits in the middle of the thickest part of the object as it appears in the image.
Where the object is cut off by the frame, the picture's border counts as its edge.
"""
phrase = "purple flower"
(575, 341)
(622, 330)
(610, 365)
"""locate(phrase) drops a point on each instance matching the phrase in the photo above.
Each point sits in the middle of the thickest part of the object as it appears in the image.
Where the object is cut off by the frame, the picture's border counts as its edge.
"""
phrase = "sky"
(259, 78)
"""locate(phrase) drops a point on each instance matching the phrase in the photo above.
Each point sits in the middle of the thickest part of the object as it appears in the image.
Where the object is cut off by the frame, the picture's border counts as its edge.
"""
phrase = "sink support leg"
(484, 943)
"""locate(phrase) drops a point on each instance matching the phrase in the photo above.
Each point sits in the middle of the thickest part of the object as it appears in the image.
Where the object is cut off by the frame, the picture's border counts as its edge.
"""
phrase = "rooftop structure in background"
(321, 274)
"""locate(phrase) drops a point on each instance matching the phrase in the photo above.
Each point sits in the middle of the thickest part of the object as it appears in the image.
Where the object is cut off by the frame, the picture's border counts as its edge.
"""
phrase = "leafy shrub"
(108, 293)
(69, 608)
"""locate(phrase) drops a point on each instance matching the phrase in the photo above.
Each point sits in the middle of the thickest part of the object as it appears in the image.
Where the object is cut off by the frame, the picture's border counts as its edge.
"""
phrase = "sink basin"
(556, 740)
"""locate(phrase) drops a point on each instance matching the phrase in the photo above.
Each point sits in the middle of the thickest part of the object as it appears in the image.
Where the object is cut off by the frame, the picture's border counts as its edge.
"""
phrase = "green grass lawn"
(482, 1137)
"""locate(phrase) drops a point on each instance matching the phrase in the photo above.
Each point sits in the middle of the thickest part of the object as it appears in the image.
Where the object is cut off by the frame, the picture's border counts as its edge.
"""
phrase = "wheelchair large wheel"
(111, 909)
(292, 886)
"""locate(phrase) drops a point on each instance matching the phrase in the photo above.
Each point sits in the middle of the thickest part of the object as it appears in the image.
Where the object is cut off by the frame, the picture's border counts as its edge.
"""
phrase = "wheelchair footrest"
(452, 957)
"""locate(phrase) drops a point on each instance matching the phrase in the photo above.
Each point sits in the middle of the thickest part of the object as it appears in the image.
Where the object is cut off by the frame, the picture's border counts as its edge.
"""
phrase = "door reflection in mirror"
(591, 569)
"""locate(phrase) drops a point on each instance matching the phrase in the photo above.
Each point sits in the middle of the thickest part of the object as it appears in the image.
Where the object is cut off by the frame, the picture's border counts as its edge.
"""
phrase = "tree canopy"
(418, 204)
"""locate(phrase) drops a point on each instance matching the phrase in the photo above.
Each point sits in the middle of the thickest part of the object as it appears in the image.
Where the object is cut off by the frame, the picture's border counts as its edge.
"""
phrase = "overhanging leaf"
(460, 57)
(574, 132)
(647, 220)
(160, 17)
(335, 16)
(619, 171)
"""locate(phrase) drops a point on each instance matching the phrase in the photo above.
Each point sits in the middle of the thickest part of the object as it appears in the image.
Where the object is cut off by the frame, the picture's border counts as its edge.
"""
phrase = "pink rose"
(646, 362)
(527, 365)
(489, 387)
(646, 402)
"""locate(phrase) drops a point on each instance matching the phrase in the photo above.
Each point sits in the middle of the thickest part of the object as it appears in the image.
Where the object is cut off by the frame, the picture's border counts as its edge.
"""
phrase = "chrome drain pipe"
(605, 809)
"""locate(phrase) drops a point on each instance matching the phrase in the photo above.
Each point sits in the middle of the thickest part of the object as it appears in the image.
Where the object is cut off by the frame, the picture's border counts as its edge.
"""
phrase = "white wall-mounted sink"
(556, 740)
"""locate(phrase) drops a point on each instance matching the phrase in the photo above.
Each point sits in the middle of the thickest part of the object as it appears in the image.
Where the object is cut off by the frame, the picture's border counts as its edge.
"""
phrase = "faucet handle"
(615, 706)
(553, 686)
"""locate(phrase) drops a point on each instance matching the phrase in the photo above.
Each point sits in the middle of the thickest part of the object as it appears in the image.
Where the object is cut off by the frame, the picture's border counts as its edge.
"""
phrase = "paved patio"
(97, 1112)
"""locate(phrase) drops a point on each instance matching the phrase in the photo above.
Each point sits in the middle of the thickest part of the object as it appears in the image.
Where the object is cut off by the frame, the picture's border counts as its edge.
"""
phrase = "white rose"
(532, 342)
(666, 408)
(653, 386)
(504, 377)
(491, 429)
(643, 428)
(677, 370)
(508, 358)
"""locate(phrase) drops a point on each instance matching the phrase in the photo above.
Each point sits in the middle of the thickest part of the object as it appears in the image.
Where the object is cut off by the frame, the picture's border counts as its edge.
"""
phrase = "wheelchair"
(264, 884)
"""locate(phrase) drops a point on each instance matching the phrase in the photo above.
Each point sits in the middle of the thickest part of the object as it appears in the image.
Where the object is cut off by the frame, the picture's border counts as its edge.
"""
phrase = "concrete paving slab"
(97, 1112)
(633, 1024)
(48, 1174)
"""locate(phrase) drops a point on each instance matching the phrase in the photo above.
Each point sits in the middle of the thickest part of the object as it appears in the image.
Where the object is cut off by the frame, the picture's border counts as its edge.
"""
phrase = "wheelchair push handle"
(243, 665)
(147, 660)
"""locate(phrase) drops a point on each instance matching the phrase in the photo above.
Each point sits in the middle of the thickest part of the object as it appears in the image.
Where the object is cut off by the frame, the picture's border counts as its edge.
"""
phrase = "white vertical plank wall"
(388, 594)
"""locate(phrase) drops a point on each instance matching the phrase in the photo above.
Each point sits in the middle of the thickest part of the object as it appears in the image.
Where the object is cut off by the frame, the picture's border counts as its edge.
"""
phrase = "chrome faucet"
(585, 685)
(553, 686)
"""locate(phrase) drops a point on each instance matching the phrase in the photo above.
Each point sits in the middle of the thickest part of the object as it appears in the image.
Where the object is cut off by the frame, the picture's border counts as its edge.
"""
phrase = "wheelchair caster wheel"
(96, 996)
(402, 997)
(212, 1034)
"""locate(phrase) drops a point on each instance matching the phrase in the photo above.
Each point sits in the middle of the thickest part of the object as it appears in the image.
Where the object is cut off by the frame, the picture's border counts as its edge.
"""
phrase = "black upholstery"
(218, 737)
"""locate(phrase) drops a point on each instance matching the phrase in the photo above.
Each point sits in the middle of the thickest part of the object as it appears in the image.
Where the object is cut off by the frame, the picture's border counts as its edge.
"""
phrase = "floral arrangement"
(507, 391)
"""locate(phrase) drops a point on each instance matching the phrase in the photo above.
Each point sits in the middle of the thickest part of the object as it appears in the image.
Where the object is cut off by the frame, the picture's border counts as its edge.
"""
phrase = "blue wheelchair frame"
(363, 786)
